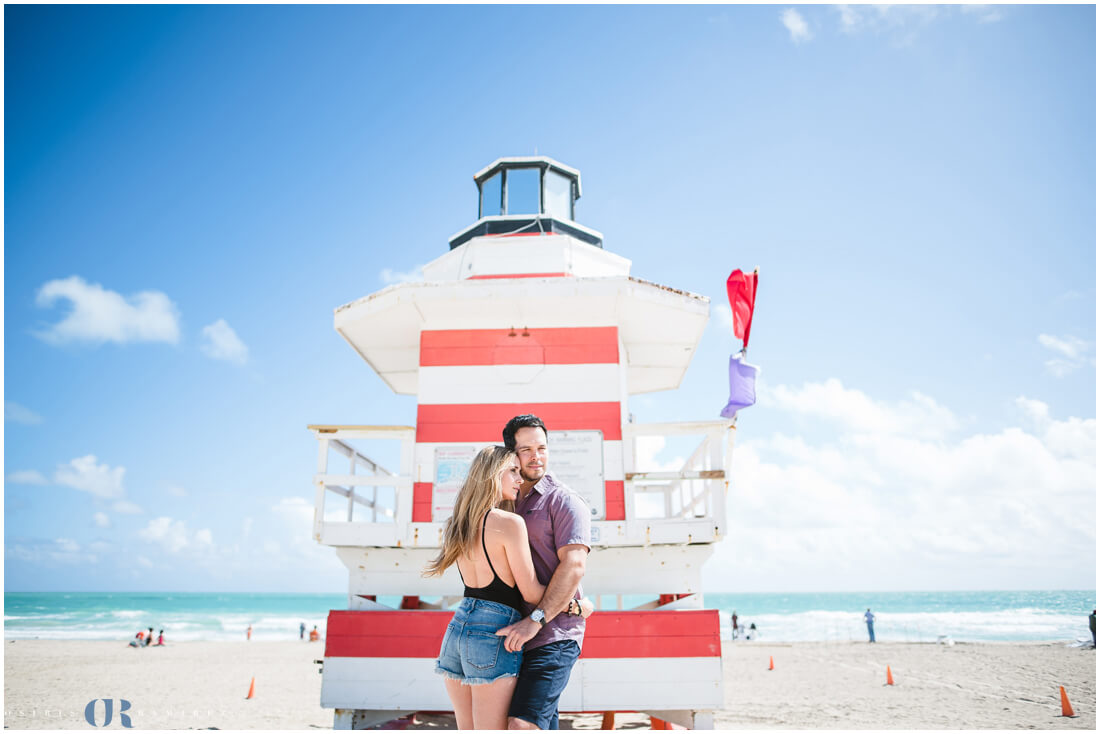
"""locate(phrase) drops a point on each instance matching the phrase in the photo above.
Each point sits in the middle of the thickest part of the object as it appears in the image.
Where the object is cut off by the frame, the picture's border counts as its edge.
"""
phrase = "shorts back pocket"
(483, 648)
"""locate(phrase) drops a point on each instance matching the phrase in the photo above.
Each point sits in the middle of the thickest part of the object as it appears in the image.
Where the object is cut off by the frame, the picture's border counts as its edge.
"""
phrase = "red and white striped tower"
(527, 313)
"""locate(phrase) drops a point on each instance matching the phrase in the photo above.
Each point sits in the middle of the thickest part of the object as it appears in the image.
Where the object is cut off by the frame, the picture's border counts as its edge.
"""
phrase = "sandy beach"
(198, 685)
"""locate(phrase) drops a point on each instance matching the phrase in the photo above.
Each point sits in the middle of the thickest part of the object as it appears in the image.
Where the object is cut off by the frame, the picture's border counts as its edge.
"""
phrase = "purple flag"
(742, 386)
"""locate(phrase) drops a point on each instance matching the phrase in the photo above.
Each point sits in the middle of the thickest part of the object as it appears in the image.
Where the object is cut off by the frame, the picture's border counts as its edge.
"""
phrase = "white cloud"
(796, 25)
(1036, 410)
(1010, 507)
(984, 13)
(1069, 346)
(901, 22)
(99, 315)
(1073, 354)
(221, 342)
(89, 476)
(168, 533)
(66, 550)
(27, 476)
(126, 508)
(390, 276)
(850, 19)
(646, 451)
(101, 520)
(174, 537)
(297, 545)
(831, 401)
(16, 413)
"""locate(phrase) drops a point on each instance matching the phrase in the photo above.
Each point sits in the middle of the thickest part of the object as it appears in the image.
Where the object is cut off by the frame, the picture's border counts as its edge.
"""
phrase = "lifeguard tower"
(527, 313)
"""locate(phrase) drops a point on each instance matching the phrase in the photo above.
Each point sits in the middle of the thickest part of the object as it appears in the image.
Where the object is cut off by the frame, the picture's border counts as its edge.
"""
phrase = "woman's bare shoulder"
(506, 522)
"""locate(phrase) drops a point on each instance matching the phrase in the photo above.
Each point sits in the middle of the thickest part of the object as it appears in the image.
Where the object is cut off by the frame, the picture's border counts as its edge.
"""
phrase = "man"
(870, 618)
(559, 528)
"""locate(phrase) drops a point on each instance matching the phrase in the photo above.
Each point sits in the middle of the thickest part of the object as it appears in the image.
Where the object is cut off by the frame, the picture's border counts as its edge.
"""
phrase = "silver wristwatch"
(539, 616)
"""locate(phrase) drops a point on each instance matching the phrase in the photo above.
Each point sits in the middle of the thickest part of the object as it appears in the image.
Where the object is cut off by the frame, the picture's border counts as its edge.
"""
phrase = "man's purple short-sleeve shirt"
(555, 516)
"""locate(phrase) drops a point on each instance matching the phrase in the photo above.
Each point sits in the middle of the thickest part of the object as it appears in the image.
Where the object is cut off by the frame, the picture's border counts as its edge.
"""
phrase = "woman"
(489, 545)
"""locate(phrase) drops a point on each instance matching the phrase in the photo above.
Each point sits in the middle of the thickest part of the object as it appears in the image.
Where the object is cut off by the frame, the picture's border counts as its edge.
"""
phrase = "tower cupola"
(527, 195)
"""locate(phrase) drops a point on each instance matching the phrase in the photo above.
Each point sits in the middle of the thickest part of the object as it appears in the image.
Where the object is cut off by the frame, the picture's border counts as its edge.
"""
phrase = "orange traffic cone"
(1067, 710)
(655, 723)
(889, 676)
(608, 720)
(771, 663)
(251, 688)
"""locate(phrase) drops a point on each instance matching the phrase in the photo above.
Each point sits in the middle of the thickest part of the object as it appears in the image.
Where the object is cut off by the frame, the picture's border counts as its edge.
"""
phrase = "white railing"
(687, 505)
(386, 497)
(694, 494)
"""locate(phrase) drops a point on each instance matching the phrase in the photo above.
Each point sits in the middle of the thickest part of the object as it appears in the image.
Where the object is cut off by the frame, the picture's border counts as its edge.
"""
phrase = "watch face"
(538, 615)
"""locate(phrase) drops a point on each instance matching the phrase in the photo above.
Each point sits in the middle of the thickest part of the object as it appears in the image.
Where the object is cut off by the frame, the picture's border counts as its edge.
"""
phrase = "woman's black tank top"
(497, 590)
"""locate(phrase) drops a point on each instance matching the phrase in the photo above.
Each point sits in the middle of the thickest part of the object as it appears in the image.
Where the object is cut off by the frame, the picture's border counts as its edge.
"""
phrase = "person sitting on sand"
(136, 642)
(314, 635)
(149, 638)
(160, 639)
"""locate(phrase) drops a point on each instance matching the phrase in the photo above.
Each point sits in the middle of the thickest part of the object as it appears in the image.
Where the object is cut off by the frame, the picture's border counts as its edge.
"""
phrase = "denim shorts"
(545, 674)
(471, 651)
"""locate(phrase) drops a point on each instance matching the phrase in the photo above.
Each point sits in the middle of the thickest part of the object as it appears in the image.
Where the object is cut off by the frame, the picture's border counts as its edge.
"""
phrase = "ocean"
(905, 616)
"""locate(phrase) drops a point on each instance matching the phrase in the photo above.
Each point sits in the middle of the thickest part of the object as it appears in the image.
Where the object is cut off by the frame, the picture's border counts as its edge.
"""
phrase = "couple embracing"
(520, 540)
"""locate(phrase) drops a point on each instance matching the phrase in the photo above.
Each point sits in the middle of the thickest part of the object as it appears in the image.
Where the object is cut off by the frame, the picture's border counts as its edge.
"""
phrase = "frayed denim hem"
(486, 681)
(440, 670)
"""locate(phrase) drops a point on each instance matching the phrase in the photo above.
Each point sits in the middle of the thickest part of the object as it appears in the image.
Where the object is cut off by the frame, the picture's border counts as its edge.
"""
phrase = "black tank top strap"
(486, 550)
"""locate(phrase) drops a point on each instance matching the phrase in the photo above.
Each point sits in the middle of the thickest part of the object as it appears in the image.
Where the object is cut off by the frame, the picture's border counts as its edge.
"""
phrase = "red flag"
(741, 289)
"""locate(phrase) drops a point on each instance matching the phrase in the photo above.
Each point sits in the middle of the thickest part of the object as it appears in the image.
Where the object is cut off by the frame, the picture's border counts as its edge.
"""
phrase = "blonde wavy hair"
(480, 493)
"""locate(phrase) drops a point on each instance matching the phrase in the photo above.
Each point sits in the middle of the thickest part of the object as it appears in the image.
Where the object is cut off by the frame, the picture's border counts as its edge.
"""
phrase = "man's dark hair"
(521, 421)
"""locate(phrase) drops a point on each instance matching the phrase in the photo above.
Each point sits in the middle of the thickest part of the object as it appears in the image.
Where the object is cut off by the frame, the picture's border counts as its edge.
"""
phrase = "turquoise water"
(912, 616)
(901, 616)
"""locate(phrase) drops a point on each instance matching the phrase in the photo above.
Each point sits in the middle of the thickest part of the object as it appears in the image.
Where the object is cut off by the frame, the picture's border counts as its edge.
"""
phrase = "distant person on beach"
(870, 619)
(136, 642)
(302, 631)
(559, 529)
(1092, 626)
(248, 634)
(160, 639)
(734, 625)
(750, 633)
(149, 639)
(314, 635)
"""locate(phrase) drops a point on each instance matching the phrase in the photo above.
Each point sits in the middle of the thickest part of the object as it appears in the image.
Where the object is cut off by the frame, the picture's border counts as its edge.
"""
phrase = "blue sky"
(191, 191)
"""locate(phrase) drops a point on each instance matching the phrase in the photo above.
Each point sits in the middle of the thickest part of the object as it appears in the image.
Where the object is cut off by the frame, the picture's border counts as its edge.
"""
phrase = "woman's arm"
(518, 552)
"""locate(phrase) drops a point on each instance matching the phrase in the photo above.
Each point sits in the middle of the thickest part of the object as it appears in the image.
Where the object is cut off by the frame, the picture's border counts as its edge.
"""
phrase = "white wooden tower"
(527, 313)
